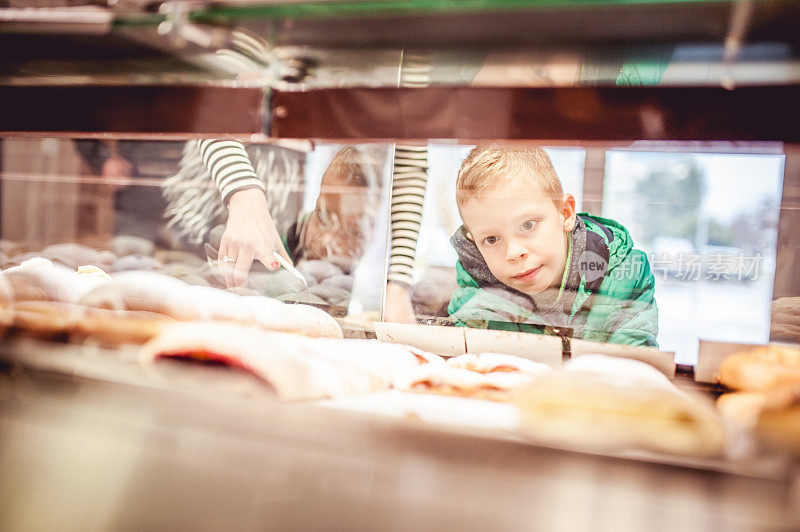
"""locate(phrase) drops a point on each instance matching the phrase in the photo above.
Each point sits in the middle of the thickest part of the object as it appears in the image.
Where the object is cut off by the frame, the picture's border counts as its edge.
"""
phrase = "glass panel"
(707, 216)
(709, 224)
(701, 221)
(125, 205)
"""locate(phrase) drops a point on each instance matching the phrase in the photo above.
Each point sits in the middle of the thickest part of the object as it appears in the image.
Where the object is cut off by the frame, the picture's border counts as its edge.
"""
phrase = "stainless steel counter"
(131, 449)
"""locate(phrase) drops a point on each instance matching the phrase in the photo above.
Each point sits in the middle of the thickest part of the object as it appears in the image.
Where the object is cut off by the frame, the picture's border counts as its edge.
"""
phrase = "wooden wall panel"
(578, 114)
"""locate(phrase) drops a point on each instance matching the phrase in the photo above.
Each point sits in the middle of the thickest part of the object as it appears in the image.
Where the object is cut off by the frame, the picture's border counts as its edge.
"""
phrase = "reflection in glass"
(709, 225)
(151, 205)
(324, 205)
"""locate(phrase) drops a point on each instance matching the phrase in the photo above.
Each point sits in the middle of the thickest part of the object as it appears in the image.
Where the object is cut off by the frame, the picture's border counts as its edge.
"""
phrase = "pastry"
(578, 410)
(447, 380)
(619, 371)
(295, 367)
(39, 278)
(315, 271)
(44, 319)
(116, 327)
(146, 291)
(740, 408)
(132, 245)
(492, 362)
(275, 315)
(136, 262)
(779, 419)
(74, 255)
(760, 368)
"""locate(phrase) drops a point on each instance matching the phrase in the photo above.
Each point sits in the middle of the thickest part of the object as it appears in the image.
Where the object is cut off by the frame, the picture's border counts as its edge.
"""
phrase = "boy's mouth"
(528, 275)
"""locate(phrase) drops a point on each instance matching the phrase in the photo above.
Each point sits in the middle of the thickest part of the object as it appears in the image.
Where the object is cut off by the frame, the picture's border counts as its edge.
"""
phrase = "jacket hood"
(615, 236)
(471, 259)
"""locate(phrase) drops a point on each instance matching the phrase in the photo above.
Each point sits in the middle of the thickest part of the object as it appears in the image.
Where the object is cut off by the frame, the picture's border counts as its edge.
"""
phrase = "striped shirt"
(409, 179)
(230, 167)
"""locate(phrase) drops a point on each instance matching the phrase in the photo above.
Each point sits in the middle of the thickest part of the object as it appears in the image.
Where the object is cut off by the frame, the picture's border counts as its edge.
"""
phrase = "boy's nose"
(515, 251)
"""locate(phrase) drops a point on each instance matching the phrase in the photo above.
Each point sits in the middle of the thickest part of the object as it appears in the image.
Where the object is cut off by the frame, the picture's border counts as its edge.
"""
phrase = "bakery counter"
(94, 440)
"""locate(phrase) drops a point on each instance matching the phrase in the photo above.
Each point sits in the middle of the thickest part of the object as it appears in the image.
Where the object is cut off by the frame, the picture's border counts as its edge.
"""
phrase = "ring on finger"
(226, 258)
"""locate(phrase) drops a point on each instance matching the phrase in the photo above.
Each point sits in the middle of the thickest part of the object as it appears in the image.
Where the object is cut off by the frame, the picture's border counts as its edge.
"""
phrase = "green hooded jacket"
(611, 290)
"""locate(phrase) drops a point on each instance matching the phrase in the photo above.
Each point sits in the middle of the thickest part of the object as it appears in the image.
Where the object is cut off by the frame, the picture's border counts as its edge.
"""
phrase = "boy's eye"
(530, 224)
(490, 240)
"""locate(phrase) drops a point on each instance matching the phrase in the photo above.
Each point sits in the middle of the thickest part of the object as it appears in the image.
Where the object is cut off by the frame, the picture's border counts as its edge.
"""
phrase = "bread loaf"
(761, 368)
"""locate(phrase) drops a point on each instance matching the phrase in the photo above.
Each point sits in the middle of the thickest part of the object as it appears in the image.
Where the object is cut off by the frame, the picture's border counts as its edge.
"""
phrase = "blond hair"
(487, 166)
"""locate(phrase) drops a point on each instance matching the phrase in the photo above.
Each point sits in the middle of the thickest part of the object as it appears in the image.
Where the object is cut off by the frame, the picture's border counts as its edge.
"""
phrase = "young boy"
(528, 262)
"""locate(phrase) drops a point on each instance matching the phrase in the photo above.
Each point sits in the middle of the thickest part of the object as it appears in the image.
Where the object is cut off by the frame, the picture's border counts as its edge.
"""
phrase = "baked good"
(6, 305)
(271, 314)
(618, 370)
(295, 367)
(497, 362)
(779, 419)
(95, 271)
(131, 245)
(188, 260)
(6, 293)
(315, 271)
(74, 255)
(447, 380)
(740, 408)
(135, 262)
(22, 288)
(116, 327)
(782, 332)
(156, 292)
(760, 368)
(383, 360)
(423, 357)
(787, 309)
(580, 411)
(437, 410)
(144, 291)
(216, 304)
(44, 319)
(39, 278)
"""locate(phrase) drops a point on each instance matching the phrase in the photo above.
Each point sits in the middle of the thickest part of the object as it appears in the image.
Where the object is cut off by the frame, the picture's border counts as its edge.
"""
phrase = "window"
(708, 223)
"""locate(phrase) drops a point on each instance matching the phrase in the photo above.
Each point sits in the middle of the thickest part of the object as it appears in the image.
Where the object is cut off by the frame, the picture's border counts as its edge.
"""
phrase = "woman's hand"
(250, 234)
(398, 308)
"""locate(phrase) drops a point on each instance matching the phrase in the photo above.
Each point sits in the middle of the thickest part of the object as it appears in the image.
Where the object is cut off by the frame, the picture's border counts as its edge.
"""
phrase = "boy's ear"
(568, 213)
(469, 236)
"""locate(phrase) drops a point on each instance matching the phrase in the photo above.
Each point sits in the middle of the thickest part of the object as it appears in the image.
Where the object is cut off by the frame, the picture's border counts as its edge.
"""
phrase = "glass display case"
(132, 133)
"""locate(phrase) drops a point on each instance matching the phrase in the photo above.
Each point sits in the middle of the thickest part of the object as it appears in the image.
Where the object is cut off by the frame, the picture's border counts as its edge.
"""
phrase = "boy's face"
(521, 234)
